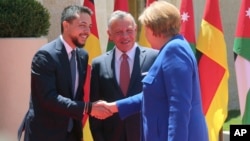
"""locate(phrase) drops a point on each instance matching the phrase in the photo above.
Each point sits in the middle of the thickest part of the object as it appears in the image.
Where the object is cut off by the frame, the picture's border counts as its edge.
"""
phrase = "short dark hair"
(69, 13)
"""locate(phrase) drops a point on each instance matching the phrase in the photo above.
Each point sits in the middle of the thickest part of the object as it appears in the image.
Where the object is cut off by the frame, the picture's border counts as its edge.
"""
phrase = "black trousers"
(72, 136)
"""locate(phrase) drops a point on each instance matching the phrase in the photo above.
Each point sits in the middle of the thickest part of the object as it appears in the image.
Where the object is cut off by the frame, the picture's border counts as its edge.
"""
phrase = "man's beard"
(77, 44)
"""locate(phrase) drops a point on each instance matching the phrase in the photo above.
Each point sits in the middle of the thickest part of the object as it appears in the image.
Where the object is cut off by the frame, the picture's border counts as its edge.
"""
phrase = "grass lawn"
(232, 118)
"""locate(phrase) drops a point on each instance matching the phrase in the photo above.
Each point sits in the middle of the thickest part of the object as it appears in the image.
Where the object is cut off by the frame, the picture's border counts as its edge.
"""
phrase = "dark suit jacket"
(51, 102)
(104, 86)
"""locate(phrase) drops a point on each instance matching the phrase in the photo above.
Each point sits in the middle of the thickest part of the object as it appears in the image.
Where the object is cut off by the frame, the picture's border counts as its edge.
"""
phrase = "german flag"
(213, 69)
(94, 49)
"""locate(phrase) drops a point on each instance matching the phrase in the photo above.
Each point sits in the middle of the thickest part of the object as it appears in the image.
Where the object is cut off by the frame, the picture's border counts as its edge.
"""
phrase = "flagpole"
(221, 135)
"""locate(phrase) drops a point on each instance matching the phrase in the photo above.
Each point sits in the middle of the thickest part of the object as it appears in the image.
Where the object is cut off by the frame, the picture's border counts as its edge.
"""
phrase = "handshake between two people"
(102, 109)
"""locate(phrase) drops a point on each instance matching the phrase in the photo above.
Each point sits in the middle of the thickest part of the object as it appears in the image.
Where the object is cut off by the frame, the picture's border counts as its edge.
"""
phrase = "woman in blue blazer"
(170, 102)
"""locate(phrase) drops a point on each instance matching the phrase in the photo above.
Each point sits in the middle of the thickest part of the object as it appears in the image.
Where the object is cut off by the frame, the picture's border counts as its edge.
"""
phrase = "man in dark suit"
(170, 101)
(106, 82)
(56, 103)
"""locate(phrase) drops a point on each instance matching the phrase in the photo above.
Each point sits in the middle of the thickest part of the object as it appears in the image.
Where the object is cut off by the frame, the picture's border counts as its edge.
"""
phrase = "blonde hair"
(162, 18)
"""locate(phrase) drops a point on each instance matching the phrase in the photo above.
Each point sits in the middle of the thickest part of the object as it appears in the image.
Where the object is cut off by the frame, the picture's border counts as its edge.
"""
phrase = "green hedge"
(23, 18)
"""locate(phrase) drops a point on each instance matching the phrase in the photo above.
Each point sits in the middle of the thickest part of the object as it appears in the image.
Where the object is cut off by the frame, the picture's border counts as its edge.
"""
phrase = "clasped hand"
(102, 109)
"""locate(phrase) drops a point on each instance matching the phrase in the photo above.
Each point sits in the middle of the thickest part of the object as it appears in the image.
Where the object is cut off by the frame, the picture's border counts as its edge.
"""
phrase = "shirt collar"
(130, 53)
(67, 46)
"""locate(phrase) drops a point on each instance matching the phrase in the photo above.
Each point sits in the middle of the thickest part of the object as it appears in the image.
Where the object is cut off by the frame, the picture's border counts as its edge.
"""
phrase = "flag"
(93, 48)
(142, 39)
(119, 5)
(187, 22)
(242, 59)
(213, 69)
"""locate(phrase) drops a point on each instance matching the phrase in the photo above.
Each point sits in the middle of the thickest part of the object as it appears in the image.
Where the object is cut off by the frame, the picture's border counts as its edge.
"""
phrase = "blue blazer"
(171, 100)
(104, 86)
(51, 101)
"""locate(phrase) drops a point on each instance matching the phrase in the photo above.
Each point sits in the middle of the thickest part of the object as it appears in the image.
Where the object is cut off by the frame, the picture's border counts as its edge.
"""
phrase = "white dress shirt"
(118, 59)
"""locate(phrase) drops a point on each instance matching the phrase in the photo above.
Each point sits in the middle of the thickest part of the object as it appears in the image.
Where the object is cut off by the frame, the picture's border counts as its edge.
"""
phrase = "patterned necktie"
(73, 70)
(73, 76)
(124, 74)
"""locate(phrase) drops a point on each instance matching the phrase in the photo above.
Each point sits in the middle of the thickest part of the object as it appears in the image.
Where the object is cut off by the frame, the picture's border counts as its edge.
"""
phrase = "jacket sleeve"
(130, 105)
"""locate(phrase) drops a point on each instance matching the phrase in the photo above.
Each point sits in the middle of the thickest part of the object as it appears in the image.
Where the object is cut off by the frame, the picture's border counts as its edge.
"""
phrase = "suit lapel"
(81, 65)
(136, 71)
(110, 65)
(64, 61)
(138, 63)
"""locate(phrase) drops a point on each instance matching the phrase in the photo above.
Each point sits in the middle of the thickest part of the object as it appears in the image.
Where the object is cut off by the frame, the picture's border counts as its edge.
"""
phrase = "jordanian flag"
(187, 22)
(119, 5)
(242, 59)
(142, 39)
(94, 49)
(213, 69)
